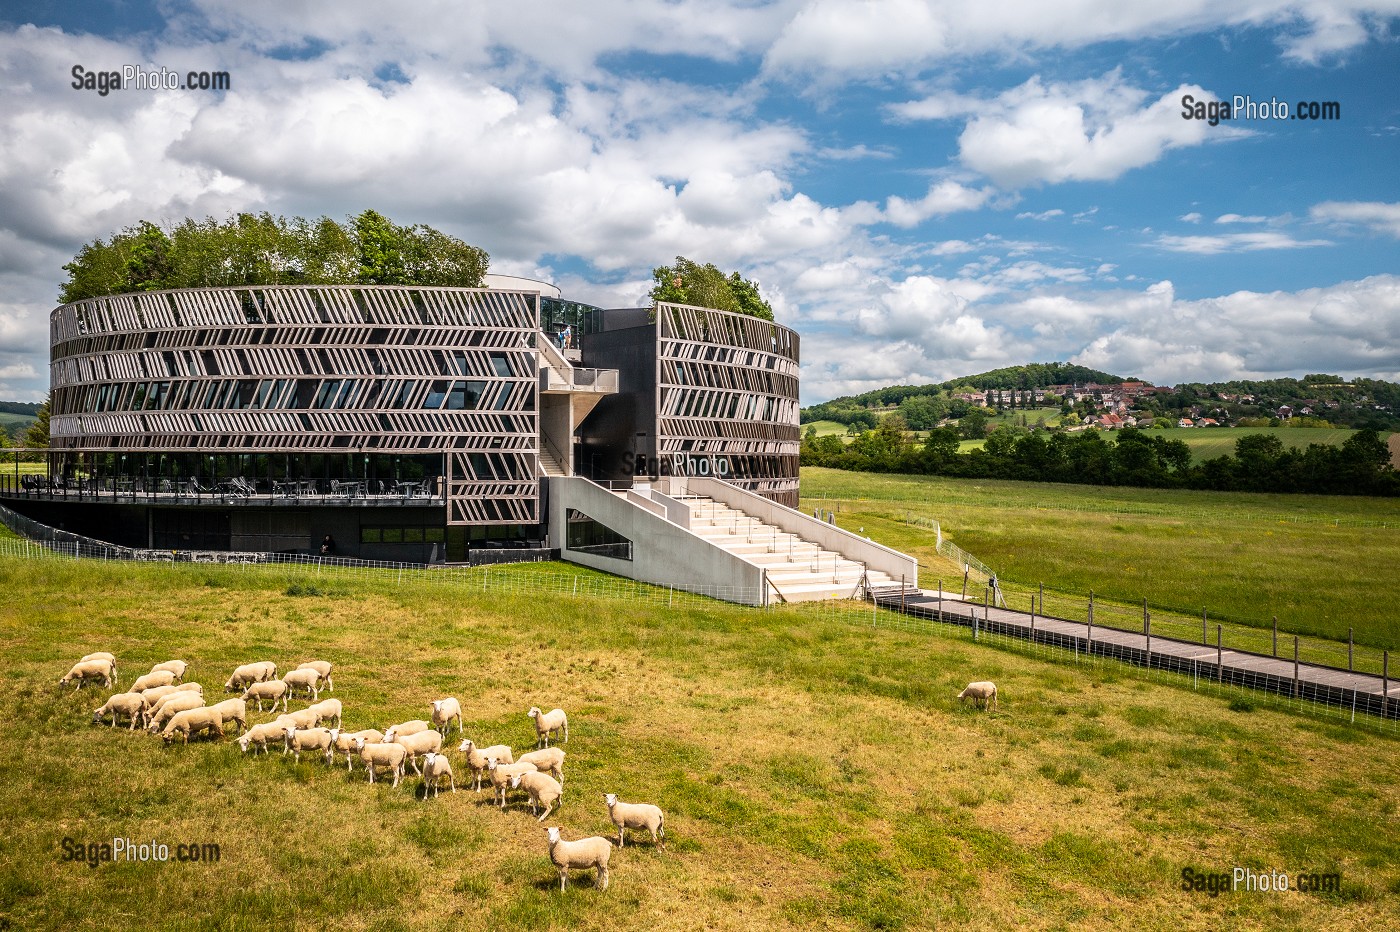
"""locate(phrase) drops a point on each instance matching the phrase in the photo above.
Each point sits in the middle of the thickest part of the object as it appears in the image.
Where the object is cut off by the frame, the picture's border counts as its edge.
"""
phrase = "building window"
(588, 536)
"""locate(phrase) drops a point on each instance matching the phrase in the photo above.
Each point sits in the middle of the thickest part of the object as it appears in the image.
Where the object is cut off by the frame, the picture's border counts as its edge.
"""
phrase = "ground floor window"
(589, 536)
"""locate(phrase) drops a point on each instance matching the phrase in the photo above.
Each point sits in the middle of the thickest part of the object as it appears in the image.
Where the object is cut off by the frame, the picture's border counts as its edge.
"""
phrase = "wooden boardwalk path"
(1373, 695)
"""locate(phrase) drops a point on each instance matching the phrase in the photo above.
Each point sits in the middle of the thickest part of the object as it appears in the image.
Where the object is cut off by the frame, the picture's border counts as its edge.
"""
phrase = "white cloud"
(1236, 218)
(1235, 242)
(1377, 215)
(944, 197)
(1193, 217)
(1043, 215)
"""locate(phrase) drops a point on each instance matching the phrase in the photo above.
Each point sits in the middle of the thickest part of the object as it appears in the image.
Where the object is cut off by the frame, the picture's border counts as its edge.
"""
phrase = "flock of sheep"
(162, 703)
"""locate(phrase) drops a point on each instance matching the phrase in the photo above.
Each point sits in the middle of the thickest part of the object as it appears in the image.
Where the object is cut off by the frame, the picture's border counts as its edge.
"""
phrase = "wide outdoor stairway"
(798, 570)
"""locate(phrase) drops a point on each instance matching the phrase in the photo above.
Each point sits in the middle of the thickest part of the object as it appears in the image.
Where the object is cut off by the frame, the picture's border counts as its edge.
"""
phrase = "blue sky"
(923, 190)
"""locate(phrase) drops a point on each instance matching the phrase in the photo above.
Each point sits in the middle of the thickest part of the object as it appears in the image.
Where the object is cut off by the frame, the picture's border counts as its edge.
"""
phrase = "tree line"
(260, 249)
(1261, 463)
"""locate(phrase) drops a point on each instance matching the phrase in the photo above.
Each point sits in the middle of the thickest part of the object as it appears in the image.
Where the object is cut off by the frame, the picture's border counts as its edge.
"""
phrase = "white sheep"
(259, 672)
(501, 775)
(193, 721)
(418, 744)
(322, 667)
(547, 760)
(477, 757)
(103, 655)
(382, 755)
(636, 815)
(158, 678)
(542, 789)
(85, 670)
(307, 679)
(233, 710)
(435, 767)
(983, 694)
(308, 739)
(132, 705)
(302, 718)
(406, 728)
(345, 742)
(276, 690)
(584, 854)
(155, 694)
(444, 711)
(326, 710)
(258, 736)
(166, 709)
(547, 724)
(178, 667)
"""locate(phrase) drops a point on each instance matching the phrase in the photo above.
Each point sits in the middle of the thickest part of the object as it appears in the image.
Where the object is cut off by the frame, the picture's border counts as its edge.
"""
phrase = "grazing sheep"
(382, 755)
(418, 744)
(259, 735)
(128, 704)
(155, 694)
(167, 708)
(259, 672)
(345, 742)
(501, 775)
(636, 815)
(545, 725)
(584, 854)
(302, 718)
(233, 710)
(477, 757)
(326, 710)
(308, 739)
(150, 680)
(983, 694)
(307, 679)
(444, 711)
(547, 760)
(276, 690)
(543, 790)
(435, 767)
(406, 728)
(103, 655)
(178, 667)
(322, 667)
(91, 670)
(193, 721)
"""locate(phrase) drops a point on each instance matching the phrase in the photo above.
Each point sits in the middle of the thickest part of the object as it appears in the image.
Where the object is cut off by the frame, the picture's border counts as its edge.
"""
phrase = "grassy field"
(826, 427)
(1320, 563)
(816, 773)
(1210, 442)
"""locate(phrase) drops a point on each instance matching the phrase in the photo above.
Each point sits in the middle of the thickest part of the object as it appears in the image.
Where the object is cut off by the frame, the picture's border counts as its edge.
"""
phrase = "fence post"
(1351, 645)
(1295, 666)
(1275, 635)
(966, 567)
(1219, 655)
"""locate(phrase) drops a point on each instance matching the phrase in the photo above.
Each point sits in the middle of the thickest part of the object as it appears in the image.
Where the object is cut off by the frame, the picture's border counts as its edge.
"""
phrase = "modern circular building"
(406, 423)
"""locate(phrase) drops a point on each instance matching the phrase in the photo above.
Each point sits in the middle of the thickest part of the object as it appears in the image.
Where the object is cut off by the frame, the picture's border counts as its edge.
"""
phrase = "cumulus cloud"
(1379, 216)
(943, 197)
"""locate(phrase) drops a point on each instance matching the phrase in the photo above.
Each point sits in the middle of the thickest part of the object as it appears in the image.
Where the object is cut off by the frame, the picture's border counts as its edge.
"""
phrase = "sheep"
(158, 678)
(259, 735)
(476, 757)
(307, 679)
(276, 690)
(302, 718)
(406, 728)
(983, 694)
(545, 725)
(155, 694)
(501, 775)
(193, 721)
(326, 710)
(167, 708)
(547, 760)
(382, 755)
(322, 667)
(543, 790)
(579, 855)
(435, 767)
(233, 710)
(308, 739)
(90, 670)
(128, 704)
(418, 744)
(259, 672)
(178, 667)
(102, 655)
(345, 742)
(636, 815)
(444, 711)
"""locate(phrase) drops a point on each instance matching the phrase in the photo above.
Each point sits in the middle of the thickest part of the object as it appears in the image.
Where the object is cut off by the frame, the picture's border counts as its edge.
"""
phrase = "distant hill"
(27, 408)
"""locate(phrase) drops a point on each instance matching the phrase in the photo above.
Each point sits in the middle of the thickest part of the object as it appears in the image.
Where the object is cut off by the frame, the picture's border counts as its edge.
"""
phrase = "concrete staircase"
(797, 569)
(549, 463)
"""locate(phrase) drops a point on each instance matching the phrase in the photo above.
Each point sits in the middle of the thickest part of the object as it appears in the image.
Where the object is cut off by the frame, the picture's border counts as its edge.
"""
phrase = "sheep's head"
(466, 746)
(534, 712)
(429, 758)
(290, 730)
(437, 705)
(96, 716)
(515, 781)
(610, 799)
(553, 832)
(360, 743)
(490, 763)
(244, 741)
(389, 735)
